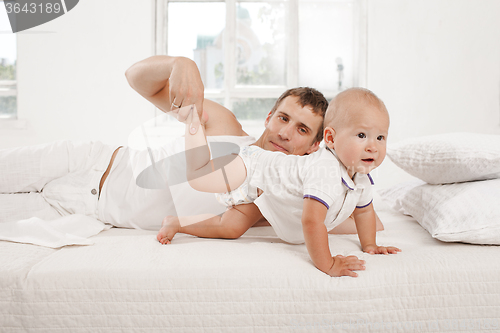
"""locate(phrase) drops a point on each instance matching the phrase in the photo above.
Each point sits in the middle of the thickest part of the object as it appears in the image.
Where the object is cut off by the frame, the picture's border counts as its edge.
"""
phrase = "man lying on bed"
(302, 196)
(293, 126)
(53, 180)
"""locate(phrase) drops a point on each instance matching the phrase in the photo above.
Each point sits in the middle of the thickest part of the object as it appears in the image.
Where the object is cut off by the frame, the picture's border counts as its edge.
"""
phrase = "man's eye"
(282, 118)
(361, 135)
(302, 130)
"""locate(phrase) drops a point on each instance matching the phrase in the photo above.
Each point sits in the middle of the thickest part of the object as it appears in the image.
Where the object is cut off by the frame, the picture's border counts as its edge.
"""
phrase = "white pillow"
(449, 158)
(463, 212)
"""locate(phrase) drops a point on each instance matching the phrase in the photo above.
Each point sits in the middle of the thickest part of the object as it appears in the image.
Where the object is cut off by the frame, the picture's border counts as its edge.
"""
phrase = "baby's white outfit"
(287, 179)
(244, 194)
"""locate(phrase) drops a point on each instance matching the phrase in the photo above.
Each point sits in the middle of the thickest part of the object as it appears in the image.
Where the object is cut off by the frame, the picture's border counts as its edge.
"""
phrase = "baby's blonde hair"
(344, 106)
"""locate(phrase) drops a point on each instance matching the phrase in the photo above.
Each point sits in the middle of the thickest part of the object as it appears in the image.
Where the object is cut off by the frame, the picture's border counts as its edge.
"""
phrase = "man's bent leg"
(20, 206)
(28, 169)
(64, 174)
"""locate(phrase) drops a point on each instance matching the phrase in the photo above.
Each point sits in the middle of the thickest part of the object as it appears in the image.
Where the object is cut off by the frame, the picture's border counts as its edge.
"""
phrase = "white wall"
(71, 82)
(436, 64)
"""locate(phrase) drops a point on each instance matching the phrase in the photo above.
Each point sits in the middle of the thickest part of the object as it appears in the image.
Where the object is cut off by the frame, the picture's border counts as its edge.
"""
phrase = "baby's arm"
(219, 175)
(316, 237)
(366, 227)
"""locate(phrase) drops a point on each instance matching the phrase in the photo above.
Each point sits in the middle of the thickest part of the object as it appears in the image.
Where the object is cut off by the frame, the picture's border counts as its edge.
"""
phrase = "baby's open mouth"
(369, 160)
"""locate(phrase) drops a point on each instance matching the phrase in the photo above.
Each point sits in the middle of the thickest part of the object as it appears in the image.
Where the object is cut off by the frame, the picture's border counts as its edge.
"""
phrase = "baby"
(302, 197)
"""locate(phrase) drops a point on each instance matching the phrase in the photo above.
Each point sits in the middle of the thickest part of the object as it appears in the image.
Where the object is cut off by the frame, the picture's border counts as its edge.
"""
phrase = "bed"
(126, 281)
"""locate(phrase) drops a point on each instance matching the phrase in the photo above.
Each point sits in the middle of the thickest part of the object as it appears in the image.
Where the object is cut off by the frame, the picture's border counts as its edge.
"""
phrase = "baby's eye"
(361, 135)
(380, 137)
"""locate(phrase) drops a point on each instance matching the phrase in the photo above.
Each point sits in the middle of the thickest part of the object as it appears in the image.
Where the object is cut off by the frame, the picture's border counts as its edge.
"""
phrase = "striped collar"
(346, 180)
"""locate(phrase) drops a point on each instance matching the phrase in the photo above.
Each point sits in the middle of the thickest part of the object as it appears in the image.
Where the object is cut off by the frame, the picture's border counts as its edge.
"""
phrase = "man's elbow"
(131, 76)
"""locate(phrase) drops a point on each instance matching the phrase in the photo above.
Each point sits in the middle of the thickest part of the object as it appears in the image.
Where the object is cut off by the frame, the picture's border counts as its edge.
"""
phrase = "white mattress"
(127, 281)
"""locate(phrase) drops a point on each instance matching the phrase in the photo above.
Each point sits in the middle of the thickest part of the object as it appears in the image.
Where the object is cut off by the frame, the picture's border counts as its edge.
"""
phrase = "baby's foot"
(169, 227)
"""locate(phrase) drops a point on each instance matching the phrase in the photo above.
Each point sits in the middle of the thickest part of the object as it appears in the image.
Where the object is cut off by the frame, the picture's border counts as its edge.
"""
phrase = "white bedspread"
(68, 230)
(127, 281)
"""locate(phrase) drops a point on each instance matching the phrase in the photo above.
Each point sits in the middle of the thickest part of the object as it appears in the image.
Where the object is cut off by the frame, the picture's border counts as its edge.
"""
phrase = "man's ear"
(269, 115)
(314, 147)
(329, 136)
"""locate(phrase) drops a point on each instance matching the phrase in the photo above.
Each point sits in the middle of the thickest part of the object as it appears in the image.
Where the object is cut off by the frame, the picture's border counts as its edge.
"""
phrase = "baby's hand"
(375, 249)
(344, 266)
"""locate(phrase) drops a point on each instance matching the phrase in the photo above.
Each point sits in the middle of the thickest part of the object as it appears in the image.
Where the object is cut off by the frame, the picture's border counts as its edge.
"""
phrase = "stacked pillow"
(458, 199)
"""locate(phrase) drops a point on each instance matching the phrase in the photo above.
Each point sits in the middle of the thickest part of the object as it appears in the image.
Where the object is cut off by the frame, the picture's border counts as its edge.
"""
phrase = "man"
(91, 178)
(293, 126)
(102, 181)
(173, 82)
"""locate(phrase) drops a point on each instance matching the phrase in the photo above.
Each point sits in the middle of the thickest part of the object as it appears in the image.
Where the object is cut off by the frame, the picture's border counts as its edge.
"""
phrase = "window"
(8, 64)
(249, 52)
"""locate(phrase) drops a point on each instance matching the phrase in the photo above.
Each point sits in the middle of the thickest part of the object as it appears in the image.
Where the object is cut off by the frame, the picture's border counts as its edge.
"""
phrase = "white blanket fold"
(68, 230)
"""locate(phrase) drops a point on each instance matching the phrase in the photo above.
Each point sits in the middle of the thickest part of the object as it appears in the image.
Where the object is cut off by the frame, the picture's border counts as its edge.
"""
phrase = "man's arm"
(150, 78)
(164, 80)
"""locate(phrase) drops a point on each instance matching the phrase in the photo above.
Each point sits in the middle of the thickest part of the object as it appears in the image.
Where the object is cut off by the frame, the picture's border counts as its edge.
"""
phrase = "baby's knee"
(379, 225)
(234, 232)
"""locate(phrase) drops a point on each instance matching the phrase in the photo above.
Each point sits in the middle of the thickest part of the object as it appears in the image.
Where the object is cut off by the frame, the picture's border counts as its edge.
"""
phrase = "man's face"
(291, 129)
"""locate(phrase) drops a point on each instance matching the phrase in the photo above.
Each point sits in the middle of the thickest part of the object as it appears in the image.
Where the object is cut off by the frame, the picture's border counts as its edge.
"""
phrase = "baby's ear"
(329, 135)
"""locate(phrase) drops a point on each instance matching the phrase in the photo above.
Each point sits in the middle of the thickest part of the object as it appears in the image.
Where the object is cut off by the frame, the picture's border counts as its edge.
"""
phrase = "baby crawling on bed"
(302, 197)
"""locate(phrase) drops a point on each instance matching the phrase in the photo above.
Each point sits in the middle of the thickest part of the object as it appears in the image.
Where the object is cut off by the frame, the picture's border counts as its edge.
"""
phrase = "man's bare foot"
(169, 227)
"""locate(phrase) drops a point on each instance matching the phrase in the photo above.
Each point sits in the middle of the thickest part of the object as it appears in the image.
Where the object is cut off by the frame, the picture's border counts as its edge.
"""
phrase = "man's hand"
(188, 115)
(186, 88)
(171, 83)
(375, 249)
(344, 266)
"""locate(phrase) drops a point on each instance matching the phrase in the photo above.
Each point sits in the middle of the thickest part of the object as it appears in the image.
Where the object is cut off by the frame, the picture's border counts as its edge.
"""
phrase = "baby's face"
(361, 144)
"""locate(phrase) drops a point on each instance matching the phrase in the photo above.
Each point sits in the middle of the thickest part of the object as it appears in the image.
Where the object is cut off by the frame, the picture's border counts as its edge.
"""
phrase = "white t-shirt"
(139, 195)
(287, 179)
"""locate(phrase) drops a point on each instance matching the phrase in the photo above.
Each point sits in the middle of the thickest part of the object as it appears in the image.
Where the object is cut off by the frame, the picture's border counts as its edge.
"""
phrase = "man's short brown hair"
(307, 97)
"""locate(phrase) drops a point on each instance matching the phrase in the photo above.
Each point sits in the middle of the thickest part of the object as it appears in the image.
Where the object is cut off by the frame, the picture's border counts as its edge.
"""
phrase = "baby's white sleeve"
(322, 182)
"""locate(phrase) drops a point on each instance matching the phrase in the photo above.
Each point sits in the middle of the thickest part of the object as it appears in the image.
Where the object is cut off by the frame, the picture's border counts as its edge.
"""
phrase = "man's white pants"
(52, 180)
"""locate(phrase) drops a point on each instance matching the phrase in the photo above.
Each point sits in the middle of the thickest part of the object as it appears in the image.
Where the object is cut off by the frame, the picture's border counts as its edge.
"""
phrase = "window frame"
(231, 90)
(9, 88)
